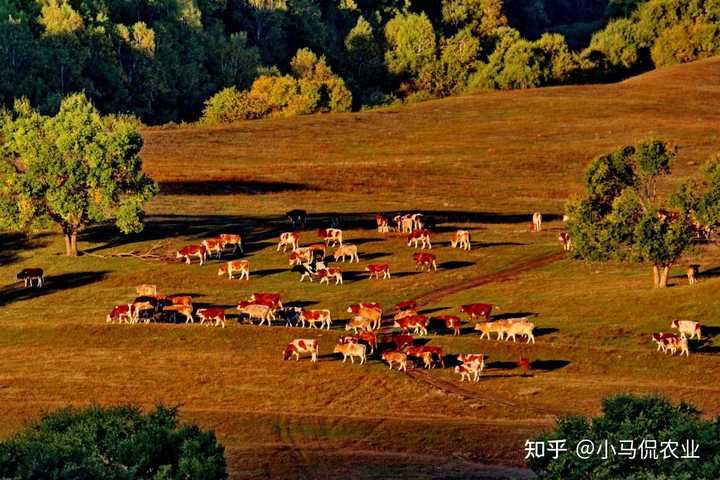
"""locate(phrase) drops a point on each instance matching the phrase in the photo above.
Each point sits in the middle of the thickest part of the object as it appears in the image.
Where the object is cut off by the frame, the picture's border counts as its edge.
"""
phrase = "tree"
(411, 42)
(637, 422)
(113, 443)
(622, 216)
(73, 169)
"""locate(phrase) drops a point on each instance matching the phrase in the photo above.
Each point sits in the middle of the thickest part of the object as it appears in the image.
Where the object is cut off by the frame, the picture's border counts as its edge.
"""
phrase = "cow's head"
(222, 270)
(287, 353)
(674, 324)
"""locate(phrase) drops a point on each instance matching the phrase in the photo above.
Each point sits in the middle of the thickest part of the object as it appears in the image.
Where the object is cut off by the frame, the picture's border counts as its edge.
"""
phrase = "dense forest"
(221, 60)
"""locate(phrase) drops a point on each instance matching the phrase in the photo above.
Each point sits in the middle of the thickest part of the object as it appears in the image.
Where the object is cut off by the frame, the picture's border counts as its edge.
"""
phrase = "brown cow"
(375, 269)
(396, 357)
(421, 235)
(121, 313)
(451, 321)
(231, 239)
(215, 314)
(192, 251)
(288, 239)
(461, 240)
(419, 351)
(423, 260)
(416, 322)
(28, 275)
(213, 245)
(475, 310)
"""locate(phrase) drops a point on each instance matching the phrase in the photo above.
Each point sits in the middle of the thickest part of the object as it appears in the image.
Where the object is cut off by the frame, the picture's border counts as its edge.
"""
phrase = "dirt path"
(504, 275)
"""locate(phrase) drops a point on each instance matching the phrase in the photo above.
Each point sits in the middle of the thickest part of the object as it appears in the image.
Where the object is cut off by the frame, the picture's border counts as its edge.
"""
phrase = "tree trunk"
(660, 275)
(71, 243)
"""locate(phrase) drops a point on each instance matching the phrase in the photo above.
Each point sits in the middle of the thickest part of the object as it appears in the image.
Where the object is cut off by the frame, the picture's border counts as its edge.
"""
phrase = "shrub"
(113, 443)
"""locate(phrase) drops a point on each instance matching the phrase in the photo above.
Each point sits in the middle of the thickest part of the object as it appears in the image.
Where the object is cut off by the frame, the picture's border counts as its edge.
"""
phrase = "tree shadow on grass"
(548, 365)
(268, 271)
(229, 187)
(509, 315)
(54, 283)
(12, 244)
(541, 332)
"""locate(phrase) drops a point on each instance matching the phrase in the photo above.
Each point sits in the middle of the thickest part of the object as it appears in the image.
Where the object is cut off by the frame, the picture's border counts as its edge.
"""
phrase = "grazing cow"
(499, 326)
(297, 217)
(420, 235)
(426, 349)
(523, 328)
(146, 289)
(451, 321)
(461, 240)
(333, 235)
(231, 239)
(423, 260)
(406, 305)
(301, 255)
(288, 239)
(346, 250)
(351, 350)
(470, 358)
(271, 299)
(358, 323)
(366, 338)
(214, 314)
(370, 311)
(213, 245)
(537, 221)
(120, 313)
(142, 310)
(183, 309)
(325, 274)
(305, 270)
(234, 266)
(291, 315)
(396, 357)
(687, 328)
(29, 275)
(256, 311)
(401, 341)
(301, 345)
(383, 226)
(192, 251)
(375, 269)
(671, 342)
(466, 373)
(565, 240)
(692, 273)
(473, 363)
(417, 219)
(314, 316)
(474, 310)
(417, 322)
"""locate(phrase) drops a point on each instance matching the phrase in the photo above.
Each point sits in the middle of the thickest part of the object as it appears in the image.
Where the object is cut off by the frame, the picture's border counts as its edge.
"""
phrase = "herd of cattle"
(368, 327)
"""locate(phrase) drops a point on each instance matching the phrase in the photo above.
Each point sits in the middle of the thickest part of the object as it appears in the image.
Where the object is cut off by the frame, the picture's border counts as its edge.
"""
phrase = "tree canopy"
(71, 169)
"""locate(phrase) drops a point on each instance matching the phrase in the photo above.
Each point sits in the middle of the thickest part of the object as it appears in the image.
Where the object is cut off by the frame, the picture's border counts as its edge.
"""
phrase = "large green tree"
(623, 216)
(73, 169)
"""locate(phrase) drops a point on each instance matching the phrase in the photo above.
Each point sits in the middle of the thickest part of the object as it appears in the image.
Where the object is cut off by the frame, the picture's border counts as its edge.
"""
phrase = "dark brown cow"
(416, 322)
(434, 351)
(28, 275)
(451, 321)
(475, 310)
(423, 260)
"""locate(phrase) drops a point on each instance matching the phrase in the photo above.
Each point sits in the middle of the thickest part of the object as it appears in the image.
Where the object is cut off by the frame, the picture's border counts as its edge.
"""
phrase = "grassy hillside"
(482, 162)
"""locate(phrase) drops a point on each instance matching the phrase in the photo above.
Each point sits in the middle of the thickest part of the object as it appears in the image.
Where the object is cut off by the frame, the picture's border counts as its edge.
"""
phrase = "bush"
(640, 420)
(113, 443)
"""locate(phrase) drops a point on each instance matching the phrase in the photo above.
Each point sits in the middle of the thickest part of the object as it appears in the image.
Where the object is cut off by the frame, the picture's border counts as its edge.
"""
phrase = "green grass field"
(483, 162)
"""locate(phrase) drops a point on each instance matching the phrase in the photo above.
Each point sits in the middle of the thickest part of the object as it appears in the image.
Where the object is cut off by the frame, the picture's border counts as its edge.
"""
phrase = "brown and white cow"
(452, 322)
(423, 350)
(461, 240)
(417, 236)
(370, 311)
(120, 313)
(358, 323)
(474, 310)
(537, 221)
(314, 316)
(213, 245)
(565, 240)
(687, 328)
(474, 363)
(417, 219)
(192, 251)
(351, 350)
(367, 338)
(236, 266)
(325, 274)
(468, 372)
(146, 289)
(231, 239)
(383, 226)
(185, 310)
(347, 250)
(396, 357)
(299, 346)
(300, 255)
(334, 235)
(213, 314)
(671, 342)
(137, 309)
(271, 299)
(375, 269)
(288, 239)
(256, 311)
(423, 260)
(417, 322)
(29, 275)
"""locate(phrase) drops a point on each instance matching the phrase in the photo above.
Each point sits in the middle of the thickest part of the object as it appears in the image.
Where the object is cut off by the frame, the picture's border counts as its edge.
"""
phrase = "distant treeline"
(170, 60)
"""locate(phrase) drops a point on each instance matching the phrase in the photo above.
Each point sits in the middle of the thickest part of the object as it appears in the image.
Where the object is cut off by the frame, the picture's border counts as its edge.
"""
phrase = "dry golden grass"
(483, 162)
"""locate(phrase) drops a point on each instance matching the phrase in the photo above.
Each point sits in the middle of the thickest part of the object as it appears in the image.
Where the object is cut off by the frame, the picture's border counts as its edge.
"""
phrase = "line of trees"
(162, 60)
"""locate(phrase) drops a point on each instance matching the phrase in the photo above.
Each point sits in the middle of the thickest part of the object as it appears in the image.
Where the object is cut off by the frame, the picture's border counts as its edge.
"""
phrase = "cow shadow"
(455, 264)
(406, 274)
(252, 247)
(496, 244)
(428, 311)
(549, 365)
(541, 332)
(502, 365)
(362, 241)
(269, 271)
(53, 284)
(301, 303)
(374, 255)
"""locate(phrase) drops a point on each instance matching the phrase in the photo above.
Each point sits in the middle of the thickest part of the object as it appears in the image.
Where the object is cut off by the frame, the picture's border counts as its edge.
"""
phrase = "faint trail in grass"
(504, 275)
(452, 388)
